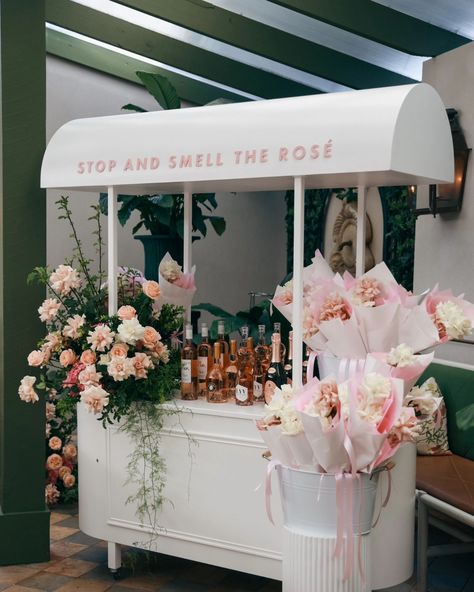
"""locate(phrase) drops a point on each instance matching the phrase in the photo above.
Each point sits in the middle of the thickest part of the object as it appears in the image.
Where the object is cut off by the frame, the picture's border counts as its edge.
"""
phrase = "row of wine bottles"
(244, 374)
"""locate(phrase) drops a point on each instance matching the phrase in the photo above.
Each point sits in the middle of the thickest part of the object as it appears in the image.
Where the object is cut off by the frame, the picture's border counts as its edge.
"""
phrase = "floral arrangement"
(351, 317)
(176, 286)
(106, 362)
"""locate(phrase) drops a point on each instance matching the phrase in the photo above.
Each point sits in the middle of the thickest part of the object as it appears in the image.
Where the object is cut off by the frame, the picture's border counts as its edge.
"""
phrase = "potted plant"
(163, 215)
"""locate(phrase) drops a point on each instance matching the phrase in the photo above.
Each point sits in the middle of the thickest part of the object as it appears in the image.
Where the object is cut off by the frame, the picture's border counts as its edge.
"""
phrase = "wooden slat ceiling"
(216, 52)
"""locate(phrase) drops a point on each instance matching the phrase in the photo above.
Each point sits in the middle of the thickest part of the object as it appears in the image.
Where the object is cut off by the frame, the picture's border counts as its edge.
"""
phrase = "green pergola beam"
(271, 43)
(110, 62)
(380, 23)
(198, 61)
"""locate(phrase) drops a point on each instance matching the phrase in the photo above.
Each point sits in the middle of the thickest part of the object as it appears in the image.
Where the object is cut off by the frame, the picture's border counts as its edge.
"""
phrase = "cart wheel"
(116, 574)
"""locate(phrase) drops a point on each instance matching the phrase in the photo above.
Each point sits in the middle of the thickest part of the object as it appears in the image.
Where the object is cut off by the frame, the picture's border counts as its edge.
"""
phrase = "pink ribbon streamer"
(273, 464)
(310, 369)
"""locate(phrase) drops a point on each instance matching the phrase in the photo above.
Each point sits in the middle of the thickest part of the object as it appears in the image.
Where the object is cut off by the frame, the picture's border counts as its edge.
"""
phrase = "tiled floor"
(79, 563)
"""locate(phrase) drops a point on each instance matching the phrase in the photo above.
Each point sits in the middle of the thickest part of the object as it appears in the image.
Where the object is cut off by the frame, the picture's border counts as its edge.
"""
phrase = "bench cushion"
(457, 386)
(449, 478)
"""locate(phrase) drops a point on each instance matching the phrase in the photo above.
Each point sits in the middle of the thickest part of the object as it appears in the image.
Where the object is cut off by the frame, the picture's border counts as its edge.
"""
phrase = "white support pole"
(298, 262)
(361, 230)
(187, 239)
(112, 250)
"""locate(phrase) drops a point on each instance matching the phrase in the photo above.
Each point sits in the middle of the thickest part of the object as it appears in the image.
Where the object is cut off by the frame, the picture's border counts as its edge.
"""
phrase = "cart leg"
(114, 557)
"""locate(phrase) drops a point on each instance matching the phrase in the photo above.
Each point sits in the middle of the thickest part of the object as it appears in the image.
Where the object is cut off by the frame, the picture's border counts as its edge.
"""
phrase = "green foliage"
(164, 214)
(399, 231)
(315, 207)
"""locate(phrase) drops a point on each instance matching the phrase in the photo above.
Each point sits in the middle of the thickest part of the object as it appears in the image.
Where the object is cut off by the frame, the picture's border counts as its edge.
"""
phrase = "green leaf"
(123, 215)
(218, 223)
(132, 107)
(161, 89)
(164, 201)
(137, 227)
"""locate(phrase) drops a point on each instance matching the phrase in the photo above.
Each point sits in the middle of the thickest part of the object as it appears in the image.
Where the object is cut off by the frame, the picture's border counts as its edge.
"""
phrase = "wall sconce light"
(448, 197)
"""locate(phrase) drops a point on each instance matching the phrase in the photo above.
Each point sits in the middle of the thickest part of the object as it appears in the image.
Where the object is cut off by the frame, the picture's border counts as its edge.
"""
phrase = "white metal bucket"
(309, 502)
(341, 368)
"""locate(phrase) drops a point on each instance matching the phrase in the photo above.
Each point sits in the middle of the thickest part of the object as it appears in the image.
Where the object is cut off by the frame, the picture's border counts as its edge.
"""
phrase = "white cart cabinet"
(215, 484)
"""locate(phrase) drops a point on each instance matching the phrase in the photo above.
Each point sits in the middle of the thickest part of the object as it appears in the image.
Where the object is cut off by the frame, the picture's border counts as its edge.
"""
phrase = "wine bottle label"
(202, 367)
(241, 393)
(270, 387)
(211, 387)
(257, 390)
(186, 371)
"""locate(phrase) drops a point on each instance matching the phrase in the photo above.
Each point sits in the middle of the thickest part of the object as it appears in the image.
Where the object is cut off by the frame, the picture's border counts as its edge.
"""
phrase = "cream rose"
(88, 357)
(67, 358)
(26, 391)
(55, 443)
(151, 289)
(401, 356)
(130, 331)
(125, 313)
(36, 358)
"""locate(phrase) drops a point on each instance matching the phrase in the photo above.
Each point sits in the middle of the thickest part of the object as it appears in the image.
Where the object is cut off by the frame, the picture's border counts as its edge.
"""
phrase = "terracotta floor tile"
(142, 582)
(71, 567)
(64, 548)
(83, 585)
(57, 517)
(48, 582)
(11, 574)
(61, 532)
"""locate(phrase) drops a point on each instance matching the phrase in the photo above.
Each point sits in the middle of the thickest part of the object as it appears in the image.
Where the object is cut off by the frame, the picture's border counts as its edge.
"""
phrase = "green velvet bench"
(445, 484)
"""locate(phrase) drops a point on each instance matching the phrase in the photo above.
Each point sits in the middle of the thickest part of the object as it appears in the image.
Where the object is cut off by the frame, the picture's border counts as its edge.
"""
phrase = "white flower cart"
(387, 136)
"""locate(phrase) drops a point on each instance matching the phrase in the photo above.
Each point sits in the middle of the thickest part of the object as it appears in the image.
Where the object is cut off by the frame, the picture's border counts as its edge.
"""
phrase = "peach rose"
(67, 358)
(64, 279)
(36, 358)
(70, 452)
(89, 376)
(73, 326)
(48, 310)
(141, 363)
(63, 471)
(150, 337)
(127, 312)
(88, 357)
(69, 480)
(54, 462)
(95, 398)
(119, 350)
(100, 338)
(55, 443)
(151, 289)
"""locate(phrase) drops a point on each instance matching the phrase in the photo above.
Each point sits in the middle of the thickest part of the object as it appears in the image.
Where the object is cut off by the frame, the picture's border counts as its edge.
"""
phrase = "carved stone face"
(343, 257)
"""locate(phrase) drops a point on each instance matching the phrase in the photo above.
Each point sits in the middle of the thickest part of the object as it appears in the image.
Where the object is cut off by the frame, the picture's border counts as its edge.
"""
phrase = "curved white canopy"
(386, 136)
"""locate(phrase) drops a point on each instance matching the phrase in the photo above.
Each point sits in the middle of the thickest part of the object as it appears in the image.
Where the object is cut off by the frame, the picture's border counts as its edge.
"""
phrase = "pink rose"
(55, 443)
(119, 350)
(67, 358)
(36, 358)
(54, 462)
(95, 398)
(89, 376)
(100, 338)
(49, 309)
(64, 279)
(150, 337)
(151, 289)
(88, 357)
(51, 494)
(127, 312)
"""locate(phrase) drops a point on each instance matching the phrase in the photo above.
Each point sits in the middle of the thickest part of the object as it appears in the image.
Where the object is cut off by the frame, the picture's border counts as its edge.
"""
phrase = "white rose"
(452, 316)
(130, 331)
(401, 356)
